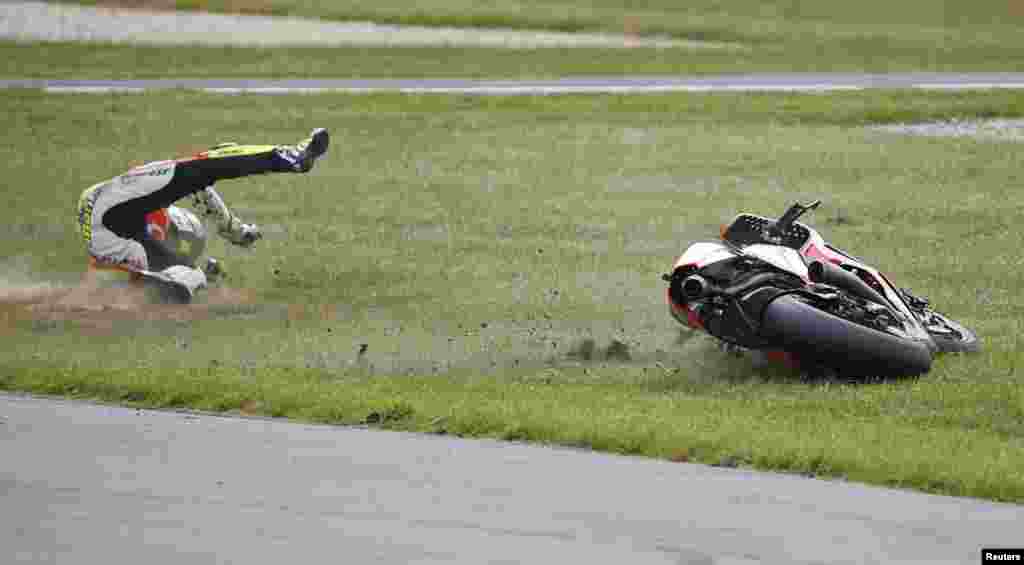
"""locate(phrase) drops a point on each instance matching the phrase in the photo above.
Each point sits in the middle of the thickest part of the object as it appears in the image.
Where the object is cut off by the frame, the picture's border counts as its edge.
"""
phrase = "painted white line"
(520, 89)
(539, 89)
(91, 89)
(970, 86)
(273, 90)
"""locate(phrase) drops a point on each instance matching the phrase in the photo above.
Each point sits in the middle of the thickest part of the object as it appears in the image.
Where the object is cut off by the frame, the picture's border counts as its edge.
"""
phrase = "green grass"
(482, 247)
(107, 61)
(780, 35)
(699, 19)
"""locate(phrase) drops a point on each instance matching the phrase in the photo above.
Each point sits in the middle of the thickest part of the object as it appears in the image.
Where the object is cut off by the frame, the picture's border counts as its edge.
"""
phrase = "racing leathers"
(112, 214)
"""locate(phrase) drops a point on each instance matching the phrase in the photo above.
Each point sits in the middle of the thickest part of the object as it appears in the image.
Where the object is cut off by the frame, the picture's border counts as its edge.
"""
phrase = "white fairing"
(704, 253)
(784, 258)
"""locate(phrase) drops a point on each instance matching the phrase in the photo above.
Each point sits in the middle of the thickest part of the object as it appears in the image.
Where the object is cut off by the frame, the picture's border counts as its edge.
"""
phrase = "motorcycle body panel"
(704, 253)
(784, 258)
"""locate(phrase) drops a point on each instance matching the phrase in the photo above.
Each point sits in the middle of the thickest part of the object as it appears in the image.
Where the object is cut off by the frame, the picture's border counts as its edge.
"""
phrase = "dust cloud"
(99, 305)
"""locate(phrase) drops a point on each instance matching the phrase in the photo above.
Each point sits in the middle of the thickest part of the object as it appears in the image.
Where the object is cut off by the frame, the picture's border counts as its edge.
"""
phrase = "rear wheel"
(851, 349)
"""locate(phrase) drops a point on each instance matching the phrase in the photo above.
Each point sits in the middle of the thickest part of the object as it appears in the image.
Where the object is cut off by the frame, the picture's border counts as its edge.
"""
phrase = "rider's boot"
(257, 159)
(176, 284)
(304, 154)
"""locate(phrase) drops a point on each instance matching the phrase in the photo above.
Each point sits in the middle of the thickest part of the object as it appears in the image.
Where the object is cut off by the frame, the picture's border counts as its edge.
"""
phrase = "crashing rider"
(123, 220)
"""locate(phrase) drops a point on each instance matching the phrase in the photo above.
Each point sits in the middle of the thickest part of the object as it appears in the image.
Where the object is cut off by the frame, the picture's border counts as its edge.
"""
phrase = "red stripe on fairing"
(784, 357)
(681, 310)
(873, 281)
(814, 252)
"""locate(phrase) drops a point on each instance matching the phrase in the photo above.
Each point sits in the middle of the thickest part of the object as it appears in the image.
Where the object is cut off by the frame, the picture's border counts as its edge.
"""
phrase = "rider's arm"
(210, 204)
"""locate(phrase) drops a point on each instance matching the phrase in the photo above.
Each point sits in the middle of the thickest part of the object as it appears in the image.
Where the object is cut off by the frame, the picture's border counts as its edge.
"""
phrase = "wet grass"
(489, 266)
(782, 35)
(747, 20)
(108, 61)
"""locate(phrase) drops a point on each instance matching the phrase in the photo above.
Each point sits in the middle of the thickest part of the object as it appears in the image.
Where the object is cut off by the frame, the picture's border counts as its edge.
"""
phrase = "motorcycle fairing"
(784, 258)
(682, 313)
(815, 248)
(704, 253)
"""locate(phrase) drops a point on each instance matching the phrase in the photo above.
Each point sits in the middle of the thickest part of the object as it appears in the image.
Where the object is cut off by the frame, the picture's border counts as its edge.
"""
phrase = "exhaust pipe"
(821, 272)
(694, 287)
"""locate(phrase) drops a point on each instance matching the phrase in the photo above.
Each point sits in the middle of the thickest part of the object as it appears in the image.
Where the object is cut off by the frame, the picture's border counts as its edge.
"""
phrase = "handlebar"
(791, 215)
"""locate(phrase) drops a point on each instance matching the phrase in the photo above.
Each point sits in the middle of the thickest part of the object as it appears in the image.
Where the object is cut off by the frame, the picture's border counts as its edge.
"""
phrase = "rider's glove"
(213, 270)
(210, 204)
(240, 234)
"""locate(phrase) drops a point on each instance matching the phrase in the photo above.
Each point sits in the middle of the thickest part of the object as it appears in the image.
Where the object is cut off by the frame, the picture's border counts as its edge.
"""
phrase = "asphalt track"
(780, 82)
(84, 483)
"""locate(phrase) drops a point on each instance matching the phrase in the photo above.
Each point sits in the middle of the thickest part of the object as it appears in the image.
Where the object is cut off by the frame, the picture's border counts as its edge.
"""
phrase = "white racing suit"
(112, 214)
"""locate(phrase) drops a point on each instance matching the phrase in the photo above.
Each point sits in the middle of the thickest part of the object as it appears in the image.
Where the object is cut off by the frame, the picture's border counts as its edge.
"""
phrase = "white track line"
(971, 86)
(546, 89)
(91, 89)
(539, 89)
(491, 90)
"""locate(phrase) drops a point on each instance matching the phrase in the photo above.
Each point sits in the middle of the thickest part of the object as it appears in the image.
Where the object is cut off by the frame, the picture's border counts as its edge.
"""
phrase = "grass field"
(780, 35)
(748, 20)
(106, 61)
(490, 266)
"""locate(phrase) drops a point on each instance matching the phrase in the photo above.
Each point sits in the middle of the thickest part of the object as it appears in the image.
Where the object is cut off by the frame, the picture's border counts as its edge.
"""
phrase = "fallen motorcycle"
(777, 287)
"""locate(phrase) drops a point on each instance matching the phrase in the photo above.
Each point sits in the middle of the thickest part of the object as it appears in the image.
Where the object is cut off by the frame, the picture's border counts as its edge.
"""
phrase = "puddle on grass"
(992, 130)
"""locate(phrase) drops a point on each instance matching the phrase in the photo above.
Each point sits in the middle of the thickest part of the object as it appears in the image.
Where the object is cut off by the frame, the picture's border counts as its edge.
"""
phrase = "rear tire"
(851, 349)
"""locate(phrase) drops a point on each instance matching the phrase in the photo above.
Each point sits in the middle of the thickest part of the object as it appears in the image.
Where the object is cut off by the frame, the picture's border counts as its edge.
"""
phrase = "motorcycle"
(777, 287)
(175, 240)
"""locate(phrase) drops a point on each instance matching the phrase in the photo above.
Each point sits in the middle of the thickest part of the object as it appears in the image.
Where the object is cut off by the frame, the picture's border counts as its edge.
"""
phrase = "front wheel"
(851, 349)
(949, 335)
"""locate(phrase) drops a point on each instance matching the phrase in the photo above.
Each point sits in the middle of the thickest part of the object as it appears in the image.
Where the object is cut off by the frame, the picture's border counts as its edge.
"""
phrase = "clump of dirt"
(587, 350)
(618, 351)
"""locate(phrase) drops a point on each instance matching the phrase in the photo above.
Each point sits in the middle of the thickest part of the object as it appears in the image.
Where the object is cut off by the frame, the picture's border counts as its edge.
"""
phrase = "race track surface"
(84, 483)
(783, 82)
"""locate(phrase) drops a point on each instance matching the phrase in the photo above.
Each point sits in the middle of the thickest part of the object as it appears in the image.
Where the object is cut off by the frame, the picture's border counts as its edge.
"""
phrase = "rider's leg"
(115, 257)
(107, 250)
(158, 185)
